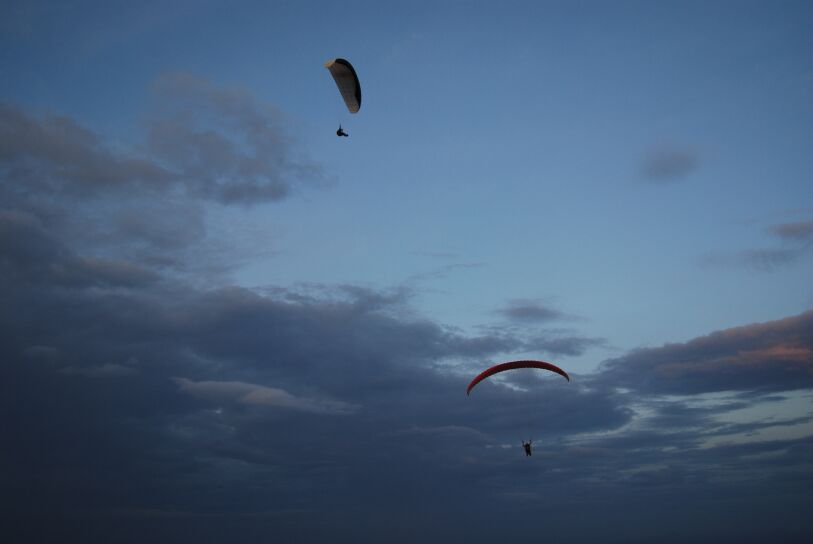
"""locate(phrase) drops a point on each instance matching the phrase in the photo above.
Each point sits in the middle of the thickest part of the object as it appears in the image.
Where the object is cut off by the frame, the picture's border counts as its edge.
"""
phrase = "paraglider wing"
(511, 366)
(348, 82)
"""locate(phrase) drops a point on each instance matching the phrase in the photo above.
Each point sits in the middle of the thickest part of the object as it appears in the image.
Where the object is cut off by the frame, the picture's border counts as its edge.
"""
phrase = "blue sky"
(269, 314)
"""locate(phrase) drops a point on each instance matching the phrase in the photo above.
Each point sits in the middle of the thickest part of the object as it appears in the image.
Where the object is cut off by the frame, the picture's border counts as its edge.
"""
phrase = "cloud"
(107, 370)
(136, 401)
(257, 395)
(797, 238)
(122, 210)
(328, 350)
(31, 253)
(42, 353)
(528, 310)
(797, 231)
(224, 144)
(165, 226)
(525, 315)
(57, 154)
(221, 439)
(211, 143)
(669, 164)
(447, 432)
(767, 260)
(772, 356)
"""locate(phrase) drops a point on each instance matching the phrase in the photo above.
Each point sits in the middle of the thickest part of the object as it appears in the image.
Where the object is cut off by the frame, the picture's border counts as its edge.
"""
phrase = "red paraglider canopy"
(511, 366)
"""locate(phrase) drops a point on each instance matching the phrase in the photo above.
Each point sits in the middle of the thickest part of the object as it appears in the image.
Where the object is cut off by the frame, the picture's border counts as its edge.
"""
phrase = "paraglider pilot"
(348, 84)
(527, 446)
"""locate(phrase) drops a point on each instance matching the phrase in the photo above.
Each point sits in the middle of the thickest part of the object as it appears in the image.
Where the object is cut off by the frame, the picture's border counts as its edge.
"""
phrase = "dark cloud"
(209, 142)
(57, 154)
(111, 206)
(29, 253)
(797, 231)
(150, 395)
(157, 407)
(139, 404)
(220, 392)
(164, 226)
(527, 310)
(225, 407)
(772, 356)
(669, 164)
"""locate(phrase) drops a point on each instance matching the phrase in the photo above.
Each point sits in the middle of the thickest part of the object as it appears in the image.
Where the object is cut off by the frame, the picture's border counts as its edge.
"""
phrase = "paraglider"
(511, 366)
(349, 87)
(496, 369)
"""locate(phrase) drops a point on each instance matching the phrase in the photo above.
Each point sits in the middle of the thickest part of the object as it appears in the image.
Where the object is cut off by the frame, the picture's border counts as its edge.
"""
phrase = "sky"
(220, 322)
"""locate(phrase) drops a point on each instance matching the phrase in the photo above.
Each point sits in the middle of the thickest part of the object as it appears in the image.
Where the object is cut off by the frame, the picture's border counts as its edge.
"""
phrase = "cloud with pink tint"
(772, 356)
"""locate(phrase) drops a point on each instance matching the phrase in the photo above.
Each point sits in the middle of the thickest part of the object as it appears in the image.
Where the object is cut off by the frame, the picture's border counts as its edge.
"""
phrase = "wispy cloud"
(559, 344)
(669, 164)
(225, 145)
(796, 242)
(796, 231)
